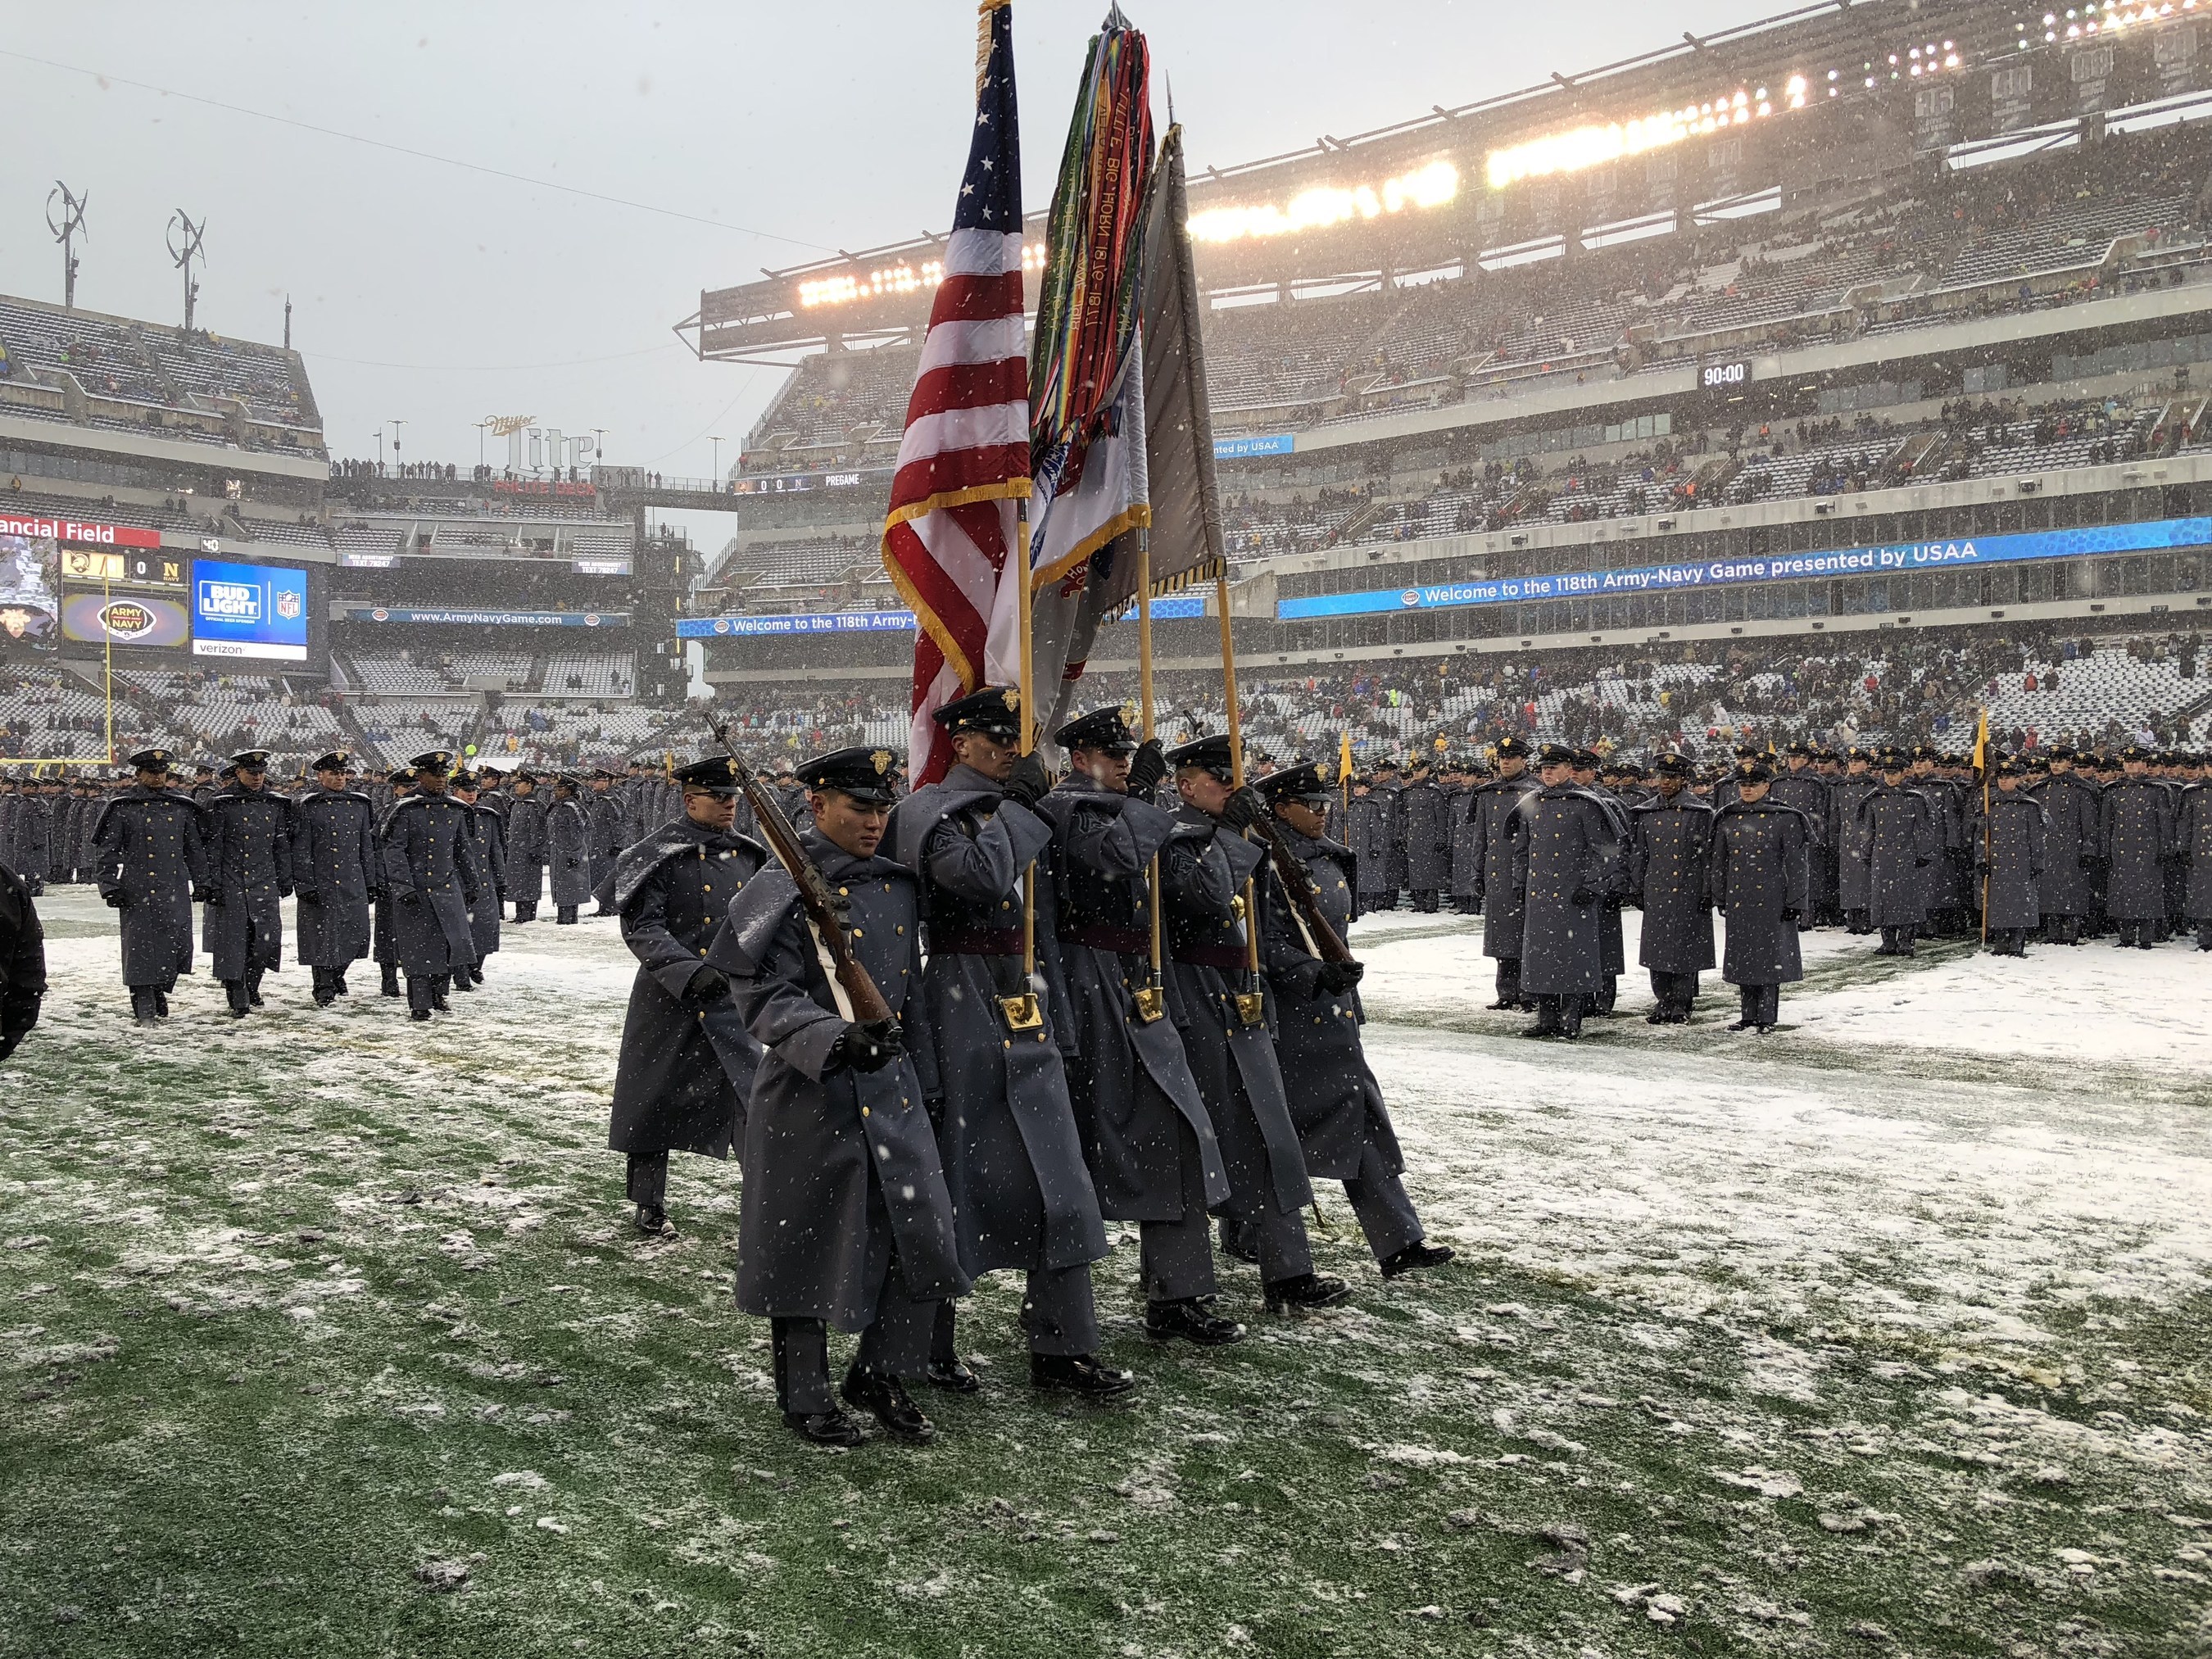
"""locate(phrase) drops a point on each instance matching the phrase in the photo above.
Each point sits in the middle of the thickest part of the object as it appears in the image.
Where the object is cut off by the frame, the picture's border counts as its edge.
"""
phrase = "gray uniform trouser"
(894, 1343)
(1378, 1199)
(1059, 1315)
(1178, 1255)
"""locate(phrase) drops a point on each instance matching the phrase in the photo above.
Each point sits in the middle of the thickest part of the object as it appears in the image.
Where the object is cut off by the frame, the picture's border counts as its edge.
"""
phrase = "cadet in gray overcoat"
(1344, 1128)
(1146, 1135)
(152, 866)
(2137, 835)
(336, 872)
(2067, 895)
(846, 1218)
(1422, 806)
(1204, 871)
(2194, 838)
(568, 849)
(431, 874)
(383, 942)
(488, 848)
(1761, 884)
(1489, 807)
(687, 1065)
(249, 835)
(1670, 858)
(1022, 1195)
(1854, 880)
(1897, 837)
(1566, 861)
(526, 851)
(2009, 853)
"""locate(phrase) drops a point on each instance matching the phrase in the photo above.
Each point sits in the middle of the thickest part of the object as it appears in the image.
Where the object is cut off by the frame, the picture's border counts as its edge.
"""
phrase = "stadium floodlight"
(1431, 186)
(184, 238)
(66, 232)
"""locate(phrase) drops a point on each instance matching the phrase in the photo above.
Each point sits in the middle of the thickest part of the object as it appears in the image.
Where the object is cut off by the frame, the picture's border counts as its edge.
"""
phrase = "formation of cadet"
(1896, 844)
(998, 1117)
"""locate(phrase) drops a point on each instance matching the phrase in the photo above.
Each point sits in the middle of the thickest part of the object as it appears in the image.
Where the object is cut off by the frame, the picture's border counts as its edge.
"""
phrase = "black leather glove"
(2088, 861)
(1339, 976)
(706, 988)
(1146, 768)
(204, 895)
(867, 1046)
(283, 889)
(1584, 895)
(306, 896)
(412, 897)
(1920, 864)
(117, 900)
(376, 895)
(1027, 783)
(1788, 915)
(1245, 808)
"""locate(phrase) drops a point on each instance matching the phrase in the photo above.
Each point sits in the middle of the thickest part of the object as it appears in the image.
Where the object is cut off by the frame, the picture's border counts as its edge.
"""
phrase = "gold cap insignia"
(1013, 697)
(883, 760)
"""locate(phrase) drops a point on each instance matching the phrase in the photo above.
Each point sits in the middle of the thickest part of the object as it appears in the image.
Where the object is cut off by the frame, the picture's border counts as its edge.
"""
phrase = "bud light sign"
(256, 611)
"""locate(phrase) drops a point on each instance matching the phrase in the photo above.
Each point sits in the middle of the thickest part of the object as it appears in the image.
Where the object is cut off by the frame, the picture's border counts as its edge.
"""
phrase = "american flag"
(964, 465)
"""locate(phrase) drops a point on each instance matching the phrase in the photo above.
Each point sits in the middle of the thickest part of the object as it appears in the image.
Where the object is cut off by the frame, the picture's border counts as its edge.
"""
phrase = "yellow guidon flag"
(1343, 756)
(1982, 743)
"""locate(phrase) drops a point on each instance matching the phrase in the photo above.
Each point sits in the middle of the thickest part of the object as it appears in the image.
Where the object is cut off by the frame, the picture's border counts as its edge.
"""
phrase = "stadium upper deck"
(163, 386)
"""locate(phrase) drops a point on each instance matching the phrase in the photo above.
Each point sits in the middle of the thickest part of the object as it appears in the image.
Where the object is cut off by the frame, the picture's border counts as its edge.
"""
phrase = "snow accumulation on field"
(1886, 1332)
(1945, 1146)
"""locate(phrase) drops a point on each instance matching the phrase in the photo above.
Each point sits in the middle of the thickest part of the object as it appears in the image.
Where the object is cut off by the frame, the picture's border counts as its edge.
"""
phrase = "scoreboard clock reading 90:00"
(1723, 377)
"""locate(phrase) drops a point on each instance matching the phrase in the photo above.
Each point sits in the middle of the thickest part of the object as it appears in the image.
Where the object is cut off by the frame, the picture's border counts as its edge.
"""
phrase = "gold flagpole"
(1152, 1001)
(1021, 1009)
(1249, 1004)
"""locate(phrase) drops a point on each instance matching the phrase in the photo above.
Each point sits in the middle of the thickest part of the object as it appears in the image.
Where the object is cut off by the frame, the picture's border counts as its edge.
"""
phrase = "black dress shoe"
(340, 986)
(1079, 1373)
(653, 1221)
(418, 1013)
(1306, 1292)
(1542, 1032)
(161, 1005)
(1233, 1244)
(325, 996)
(884, 1398)
(952, 1376)
(438, 1002)
(391, 986)
(254, 997)
(1419, 1253)
(1191, 1320)
(831, 1428)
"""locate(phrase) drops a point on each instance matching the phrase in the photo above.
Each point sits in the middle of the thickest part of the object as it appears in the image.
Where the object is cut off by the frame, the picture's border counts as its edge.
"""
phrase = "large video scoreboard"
(151, 599)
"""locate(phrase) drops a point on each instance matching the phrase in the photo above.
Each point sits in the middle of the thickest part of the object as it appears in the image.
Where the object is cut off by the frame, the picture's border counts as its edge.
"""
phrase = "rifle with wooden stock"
(1305, 898)
(814, 896)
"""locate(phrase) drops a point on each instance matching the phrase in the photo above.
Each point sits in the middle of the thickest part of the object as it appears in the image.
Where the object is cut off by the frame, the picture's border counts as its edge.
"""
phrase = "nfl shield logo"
(287, 605)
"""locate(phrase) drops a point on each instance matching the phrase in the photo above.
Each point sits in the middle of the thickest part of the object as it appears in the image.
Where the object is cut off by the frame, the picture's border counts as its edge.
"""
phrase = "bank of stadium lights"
(893, 280)
(1594, 146)
(1430, 186)
(2083, 20)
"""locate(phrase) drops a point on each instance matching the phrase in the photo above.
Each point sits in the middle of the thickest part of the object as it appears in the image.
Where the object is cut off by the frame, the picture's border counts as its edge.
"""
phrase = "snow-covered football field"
(1888, 1332)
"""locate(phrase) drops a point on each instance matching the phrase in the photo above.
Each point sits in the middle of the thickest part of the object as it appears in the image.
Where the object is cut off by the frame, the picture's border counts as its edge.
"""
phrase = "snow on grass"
(1866, 1334)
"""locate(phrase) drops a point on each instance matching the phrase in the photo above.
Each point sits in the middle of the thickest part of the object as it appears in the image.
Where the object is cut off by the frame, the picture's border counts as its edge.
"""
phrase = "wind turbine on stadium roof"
(182, 229)
(71, 227)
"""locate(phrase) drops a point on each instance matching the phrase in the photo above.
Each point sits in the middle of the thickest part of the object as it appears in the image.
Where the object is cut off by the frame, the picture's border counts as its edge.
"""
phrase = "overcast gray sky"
(438, 295)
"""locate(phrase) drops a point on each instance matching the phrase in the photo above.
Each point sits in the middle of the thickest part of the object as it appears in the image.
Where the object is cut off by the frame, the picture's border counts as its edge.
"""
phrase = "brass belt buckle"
(1022, 1012)
(1151, 1003)
(1252, 1006)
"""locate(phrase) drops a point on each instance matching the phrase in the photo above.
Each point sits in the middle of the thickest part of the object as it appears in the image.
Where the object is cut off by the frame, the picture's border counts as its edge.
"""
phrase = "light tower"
(184, 248)
(66, 232)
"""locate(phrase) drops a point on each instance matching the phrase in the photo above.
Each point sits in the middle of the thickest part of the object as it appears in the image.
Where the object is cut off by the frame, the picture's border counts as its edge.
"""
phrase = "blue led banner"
(1273, 443)
(1897, 558)
(382, 613)
(832, 622)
